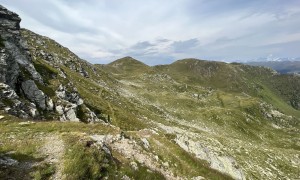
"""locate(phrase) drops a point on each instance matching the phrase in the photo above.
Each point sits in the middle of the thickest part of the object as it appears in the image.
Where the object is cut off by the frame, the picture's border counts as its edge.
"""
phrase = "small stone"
(125, 177)
(106, 150)
(134, 165)
(50, 104)
(59, 109)
(166, 164)
(71, 115)
(7, 161)
(145, 143)
(25, 123)
(198, 178)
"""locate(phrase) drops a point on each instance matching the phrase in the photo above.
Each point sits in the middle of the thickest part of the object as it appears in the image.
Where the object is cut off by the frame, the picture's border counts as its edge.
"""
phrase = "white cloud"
(156, 31)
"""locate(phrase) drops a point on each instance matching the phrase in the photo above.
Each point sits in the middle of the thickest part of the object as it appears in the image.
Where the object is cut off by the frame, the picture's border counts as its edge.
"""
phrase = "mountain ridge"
(191, 119)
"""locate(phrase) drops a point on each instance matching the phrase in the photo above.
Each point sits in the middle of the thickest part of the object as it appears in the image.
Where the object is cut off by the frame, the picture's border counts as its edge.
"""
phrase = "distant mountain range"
(272, 58)
(282, 66)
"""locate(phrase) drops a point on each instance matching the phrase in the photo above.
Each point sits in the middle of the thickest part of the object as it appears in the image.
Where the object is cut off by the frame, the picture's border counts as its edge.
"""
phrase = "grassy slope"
(226, 110)
(100, 92)
(229, 101)
(23, 142)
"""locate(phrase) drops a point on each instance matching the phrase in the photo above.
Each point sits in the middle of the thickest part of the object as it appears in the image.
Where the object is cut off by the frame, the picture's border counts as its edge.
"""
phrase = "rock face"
(17, 73)
(14, 55)
(20, 82)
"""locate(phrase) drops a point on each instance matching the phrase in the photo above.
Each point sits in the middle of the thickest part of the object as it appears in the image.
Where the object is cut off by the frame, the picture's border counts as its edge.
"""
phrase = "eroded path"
(54, 150)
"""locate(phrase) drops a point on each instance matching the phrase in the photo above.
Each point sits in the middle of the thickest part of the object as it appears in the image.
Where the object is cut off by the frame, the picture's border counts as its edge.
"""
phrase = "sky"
(162, 31)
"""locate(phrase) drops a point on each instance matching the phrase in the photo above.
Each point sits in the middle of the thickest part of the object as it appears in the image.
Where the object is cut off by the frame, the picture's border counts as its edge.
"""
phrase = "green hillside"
(62, 117)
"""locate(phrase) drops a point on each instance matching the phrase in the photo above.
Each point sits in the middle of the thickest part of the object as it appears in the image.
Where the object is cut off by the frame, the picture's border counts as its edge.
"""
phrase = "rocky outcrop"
(9, 20)
(21, 82)
(72, 97)
(71, 106)
(17, 73)
(11, 103)
(132, 151)
(225, 164)
(15, 58)
(67, 105)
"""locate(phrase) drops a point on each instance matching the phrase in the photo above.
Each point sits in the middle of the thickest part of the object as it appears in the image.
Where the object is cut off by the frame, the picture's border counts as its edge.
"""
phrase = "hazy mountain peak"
(126, 61)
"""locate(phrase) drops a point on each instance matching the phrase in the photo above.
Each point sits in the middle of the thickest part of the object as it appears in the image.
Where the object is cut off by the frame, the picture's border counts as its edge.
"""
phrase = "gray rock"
(7, 161)
(11, 103)
(50, 104)
(33, 112)
(145, 143)
(106, 149)
(72, 97)
(125, 178)
(59, 109)
(61, 92)
(225, 164)
(15, 57)
(166, 164)
(16, 69)
(70, 113)
(35, 95)
(7, 92)
(91, 116)
(134, 166)
(62, 118)
(83, 72)
(9, 20)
